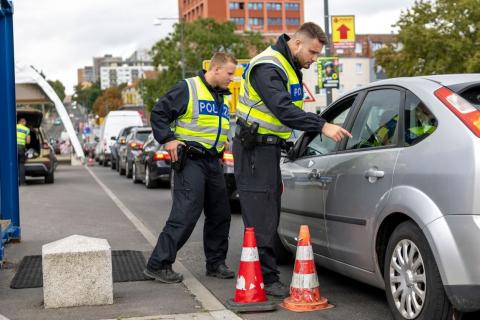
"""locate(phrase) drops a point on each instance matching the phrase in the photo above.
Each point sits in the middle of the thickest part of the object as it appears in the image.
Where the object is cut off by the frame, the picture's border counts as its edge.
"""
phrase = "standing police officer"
(270, 106)
(23, 138)
(199, 108)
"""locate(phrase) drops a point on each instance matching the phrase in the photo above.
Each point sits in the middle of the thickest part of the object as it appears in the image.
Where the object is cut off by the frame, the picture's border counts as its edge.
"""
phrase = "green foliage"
(201, 38)
(437, 37)
(110, 100)
(86, 96)
(58, 87)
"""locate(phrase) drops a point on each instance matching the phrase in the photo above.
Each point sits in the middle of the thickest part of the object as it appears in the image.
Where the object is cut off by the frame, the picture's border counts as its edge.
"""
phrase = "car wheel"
(117, 166)
(50, 177)
(148, 178)
(121, 171)
(413, 284)
(113, 164)
(128, 170)
(105, 162)
(134, 174)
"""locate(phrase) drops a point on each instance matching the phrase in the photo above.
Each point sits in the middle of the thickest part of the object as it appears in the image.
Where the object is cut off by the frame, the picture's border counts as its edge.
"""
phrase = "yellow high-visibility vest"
(201, 122)
(22, 133)
(253, 109)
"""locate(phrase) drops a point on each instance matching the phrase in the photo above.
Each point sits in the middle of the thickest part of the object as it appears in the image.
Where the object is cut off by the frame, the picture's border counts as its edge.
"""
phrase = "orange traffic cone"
(249, 291)
(304, 289)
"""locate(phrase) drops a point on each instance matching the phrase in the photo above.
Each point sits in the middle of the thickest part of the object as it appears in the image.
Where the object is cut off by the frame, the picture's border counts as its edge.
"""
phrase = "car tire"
(105, 162)
(50, 177)
(134, 174)
(117, 165)
(121, 171)
(113, 164)
(128, 170)
(149, 183)
(410, 269)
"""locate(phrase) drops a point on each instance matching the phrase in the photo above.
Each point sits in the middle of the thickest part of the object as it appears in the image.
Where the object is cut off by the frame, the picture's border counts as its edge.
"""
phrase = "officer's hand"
(171, 148)
(334, 132)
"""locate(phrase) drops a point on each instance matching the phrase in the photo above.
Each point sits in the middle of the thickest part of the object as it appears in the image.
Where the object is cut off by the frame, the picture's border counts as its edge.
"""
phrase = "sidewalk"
(77, 204)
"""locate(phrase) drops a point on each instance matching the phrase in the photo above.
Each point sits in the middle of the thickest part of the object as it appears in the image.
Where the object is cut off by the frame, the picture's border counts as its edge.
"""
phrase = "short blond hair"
(221, 58)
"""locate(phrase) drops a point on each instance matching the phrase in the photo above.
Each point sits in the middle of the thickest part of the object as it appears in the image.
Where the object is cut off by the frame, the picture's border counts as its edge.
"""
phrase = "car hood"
(34, 117)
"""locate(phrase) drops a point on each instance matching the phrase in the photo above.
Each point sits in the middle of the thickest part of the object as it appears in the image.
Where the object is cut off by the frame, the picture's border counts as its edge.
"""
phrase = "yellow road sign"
(343, 31)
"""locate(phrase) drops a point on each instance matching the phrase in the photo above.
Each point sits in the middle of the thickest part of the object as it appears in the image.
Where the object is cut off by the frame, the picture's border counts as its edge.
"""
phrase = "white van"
(114, 122)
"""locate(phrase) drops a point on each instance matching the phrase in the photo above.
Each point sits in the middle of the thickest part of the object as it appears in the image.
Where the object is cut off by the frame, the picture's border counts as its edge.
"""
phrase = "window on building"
(292, 6)
(236, 5)
(238, 21)
(358, 47)
(255, 21)
(255, 6)
(376, 46)
(274, 6)
(358, 68)
(293, 21)
(275, 21)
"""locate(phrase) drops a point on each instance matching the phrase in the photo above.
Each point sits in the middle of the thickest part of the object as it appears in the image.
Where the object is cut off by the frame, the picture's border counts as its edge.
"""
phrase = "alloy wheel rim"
(408, 280)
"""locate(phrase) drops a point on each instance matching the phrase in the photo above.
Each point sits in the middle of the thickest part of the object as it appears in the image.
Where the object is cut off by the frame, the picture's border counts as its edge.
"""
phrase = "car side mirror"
(97, 139)
(113, 138)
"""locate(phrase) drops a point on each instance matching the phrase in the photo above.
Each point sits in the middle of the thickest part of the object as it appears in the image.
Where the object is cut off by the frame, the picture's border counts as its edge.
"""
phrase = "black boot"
(221, 272)
(165, 275)
(277, 289)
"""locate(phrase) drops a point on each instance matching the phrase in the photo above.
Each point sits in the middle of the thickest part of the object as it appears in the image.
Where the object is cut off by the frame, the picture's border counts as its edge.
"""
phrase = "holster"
(247, 134)
(178, 165)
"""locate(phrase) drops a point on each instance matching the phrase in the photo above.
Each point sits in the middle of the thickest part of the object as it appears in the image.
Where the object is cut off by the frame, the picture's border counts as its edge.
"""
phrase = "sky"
(60, 36)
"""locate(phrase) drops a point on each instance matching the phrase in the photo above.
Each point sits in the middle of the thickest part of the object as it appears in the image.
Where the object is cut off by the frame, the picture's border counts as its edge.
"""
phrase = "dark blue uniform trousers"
(258, 177)
(199, 186)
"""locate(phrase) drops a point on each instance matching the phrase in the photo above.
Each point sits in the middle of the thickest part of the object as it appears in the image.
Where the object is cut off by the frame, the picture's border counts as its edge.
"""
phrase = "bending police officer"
(199, 108)
(23, 138)
(270, 106)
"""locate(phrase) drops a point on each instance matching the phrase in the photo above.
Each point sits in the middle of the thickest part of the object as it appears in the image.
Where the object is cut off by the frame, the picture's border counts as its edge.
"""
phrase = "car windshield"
(472, 95)
(143, 135)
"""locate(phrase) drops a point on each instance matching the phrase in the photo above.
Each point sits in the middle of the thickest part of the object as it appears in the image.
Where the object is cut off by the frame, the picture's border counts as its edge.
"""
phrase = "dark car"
(40, 160)
(152, 165)
(120, 140)
(134, 144)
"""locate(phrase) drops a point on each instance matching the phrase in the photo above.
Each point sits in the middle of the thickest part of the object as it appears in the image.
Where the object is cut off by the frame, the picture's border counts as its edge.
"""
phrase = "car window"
(376, 124)
(419, 120)
(472, 95)
(129, 137)
(143, 135)
(321, 145)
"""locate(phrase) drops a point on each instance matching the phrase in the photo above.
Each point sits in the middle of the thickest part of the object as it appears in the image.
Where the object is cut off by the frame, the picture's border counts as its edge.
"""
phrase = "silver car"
(397, 206)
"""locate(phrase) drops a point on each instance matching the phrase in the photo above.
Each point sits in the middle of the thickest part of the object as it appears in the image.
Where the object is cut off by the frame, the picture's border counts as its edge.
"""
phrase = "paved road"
(353, 300)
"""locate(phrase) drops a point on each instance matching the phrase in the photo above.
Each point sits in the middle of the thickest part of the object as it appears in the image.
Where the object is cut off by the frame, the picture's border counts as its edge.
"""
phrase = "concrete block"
(77, 271)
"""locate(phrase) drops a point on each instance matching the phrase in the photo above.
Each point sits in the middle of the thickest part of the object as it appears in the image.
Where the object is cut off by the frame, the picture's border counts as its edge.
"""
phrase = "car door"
(304, 187)
(361, 176)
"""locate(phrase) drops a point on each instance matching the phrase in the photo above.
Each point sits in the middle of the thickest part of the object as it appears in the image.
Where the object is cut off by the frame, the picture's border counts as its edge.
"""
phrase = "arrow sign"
(343, 31)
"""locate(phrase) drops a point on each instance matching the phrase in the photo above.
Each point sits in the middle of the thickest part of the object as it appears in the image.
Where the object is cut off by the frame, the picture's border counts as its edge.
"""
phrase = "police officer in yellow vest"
(23, 138)
(198, 107)
(271, 98)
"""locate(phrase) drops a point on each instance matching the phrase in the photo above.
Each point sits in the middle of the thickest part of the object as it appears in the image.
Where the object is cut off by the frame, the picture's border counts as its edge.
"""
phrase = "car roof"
(453, 81)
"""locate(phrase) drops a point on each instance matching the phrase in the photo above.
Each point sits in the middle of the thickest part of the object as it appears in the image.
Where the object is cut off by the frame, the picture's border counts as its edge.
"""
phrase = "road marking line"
(202, 294)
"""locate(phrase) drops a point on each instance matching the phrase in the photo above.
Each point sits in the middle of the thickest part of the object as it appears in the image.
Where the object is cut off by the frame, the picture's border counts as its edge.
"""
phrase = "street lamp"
(182, 38)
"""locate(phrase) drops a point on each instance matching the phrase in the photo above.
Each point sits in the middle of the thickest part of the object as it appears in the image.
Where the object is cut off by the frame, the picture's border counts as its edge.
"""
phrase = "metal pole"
(182, 47)
(328, 47)
(8, 132)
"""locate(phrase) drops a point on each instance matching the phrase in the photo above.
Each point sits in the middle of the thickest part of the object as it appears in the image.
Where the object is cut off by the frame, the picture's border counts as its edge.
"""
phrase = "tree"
(86, 96)
(58, 87)
(201, 38)
(436, 37)
(110, 100)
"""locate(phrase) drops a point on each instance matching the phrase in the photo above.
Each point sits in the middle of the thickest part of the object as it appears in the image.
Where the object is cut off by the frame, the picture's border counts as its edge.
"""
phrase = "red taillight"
(228, 158)
(135, 145)
(161, 155)
(467, 113)
(45, 146)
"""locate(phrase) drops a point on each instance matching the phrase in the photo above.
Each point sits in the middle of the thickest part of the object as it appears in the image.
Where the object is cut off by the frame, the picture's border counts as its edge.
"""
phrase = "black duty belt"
(266, 139)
